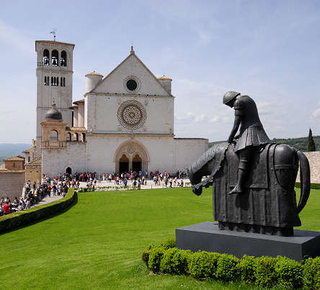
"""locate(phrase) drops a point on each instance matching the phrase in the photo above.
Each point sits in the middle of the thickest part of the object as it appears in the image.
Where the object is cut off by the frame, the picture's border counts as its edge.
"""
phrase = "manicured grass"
(98, 243)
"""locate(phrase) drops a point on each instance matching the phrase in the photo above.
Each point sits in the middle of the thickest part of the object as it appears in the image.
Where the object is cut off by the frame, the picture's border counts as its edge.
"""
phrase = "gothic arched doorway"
(69, 170)
(123, 164)
(131, 156)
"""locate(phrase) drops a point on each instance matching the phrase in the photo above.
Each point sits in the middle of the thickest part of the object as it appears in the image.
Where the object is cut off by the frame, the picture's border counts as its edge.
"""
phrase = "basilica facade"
(124, 121)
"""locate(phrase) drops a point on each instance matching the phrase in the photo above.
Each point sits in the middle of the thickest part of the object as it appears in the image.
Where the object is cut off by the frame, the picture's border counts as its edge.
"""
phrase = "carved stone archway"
(137, 154)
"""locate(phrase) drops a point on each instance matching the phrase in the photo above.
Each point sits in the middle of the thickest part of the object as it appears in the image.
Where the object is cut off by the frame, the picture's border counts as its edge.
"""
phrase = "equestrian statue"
(253, 179)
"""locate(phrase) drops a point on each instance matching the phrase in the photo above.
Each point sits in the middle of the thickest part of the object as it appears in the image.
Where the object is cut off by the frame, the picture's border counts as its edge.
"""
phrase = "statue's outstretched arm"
(236, 124)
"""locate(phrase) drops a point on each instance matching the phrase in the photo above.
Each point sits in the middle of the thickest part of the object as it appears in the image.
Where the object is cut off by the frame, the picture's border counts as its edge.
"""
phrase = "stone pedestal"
(207, 237)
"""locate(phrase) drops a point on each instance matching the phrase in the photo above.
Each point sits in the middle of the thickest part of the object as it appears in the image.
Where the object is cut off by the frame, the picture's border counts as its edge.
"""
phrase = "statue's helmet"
(229, 96)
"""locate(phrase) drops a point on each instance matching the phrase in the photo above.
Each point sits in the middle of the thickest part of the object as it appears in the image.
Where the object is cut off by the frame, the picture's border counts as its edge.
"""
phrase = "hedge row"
(312, 185)
(261, 271)
(38, 213)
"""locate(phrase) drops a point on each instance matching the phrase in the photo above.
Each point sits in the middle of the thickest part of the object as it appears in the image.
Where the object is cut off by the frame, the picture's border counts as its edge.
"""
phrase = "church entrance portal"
(131, 156)
(69, 170)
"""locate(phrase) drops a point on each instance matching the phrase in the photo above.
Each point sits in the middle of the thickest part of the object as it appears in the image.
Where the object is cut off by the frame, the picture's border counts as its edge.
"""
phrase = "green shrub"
(145, 256)
(175, 261)
(247, 267)
(312, 185)
(311, 273)
(227, 268)
(265, 274)
(168, 244)
(289, 273)
(203, 264)
(155, 257)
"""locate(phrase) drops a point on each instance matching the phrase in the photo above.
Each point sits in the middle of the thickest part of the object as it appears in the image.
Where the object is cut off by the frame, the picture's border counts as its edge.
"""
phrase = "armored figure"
(251, 133)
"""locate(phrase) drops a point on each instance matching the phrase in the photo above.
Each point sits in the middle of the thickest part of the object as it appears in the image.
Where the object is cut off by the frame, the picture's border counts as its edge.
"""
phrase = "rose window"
(131, 114)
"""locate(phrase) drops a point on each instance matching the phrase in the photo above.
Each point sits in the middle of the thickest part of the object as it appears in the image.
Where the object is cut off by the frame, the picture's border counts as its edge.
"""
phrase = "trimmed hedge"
(261, 271)
(312, 185)
(26, 217)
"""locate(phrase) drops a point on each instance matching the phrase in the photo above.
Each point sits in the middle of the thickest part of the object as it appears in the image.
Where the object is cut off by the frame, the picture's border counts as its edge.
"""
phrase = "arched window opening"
(63, 61)
(69, 170)
(54, 81)
(76, 137)
(46, 57)
(53, 135)
(46, 81)
(124, 164)
(68, 136)
(62, 82)
(55, 58)
(83, 137)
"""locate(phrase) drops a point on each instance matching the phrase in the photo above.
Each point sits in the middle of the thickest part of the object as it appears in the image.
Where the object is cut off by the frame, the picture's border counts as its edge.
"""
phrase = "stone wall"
(33, 173)
(314, 161)
(11, 183)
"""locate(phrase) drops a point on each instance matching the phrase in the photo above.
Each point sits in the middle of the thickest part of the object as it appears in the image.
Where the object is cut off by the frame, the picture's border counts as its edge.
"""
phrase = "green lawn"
(98, 243)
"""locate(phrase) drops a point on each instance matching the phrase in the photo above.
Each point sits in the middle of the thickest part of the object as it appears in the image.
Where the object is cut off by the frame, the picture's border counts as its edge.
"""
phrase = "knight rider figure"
(251, 133)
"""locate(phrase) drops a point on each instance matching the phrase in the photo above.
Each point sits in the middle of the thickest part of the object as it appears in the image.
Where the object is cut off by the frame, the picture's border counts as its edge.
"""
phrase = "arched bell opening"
(63, 60)
(46, 57)
(55, 58)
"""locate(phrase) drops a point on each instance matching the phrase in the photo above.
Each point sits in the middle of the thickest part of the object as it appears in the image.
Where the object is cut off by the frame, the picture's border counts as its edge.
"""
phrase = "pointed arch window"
(55, 58)
(63, 61)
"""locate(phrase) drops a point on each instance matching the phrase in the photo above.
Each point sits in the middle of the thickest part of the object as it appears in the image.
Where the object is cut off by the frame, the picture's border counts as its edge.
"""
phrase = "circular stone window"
(132, 114)
(132, 85)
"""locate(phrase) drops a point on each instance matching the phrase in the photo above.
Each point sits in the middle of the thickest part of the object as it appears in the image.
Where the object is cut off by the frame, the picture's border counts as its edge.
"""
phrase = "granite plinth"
(208, 237)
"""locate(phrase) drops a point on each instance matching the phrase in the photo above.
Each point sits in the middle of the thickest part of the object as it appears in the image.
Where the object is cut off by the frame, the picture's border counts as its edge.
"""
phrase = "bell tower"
(54, 80)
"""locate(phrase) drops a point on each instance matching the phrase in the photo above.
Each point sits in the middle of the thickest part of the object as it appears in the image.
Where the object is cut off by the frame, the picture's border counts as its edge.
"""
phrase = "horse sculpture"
(268, 203)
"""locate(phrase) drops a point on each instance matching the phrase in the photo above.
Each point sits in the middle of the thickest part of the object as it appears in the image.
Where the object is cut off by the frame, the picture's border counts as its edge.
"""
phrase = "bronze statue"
(263, 174)
(251, 133)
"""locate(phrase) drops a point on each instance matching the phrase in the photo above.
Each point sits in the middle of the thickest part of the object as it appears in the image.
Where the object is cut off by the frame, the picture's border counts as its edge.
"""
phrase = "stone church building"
(123, 122)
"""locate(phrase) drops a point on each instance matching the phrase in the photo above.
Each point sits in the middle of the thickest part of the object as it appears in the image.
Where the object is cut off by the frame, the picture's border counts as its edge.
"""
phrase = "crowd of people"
(32, 195)
(58, 186)
(133, 178)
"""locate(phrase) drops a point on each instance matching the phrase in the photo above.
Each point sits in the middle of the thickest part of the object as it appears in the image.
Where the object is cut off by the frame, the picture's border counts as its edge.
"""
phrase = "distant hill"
(298, 143)
(12, 149)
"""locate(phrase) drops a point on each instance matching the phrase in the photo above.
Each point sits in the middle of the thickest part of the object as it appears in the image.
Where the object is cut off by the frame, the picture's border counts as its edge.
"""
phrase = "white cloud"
(16, 39)
(316, 113)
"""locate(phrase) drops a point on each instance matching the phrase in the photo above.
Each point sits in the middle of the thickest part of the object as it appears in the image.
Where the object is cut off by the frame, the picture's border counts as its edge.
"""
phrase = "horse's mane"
(216, 153)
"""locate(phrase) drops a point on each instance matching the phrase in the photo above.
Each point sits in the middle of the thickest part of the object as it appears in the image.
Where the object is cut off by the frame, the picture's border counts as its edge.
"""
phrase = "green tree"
(311, 144)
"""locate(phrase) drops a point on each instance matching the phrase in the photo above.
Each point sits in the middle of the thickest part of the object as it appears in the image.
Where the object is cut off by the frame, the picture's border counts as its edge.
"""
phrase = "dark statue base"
(208, 237)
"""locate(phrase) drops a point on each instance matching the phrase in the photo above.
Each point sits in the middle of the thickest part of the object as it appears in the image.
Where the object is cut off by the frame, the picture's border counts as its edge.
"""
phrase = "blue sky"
(267, 49)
